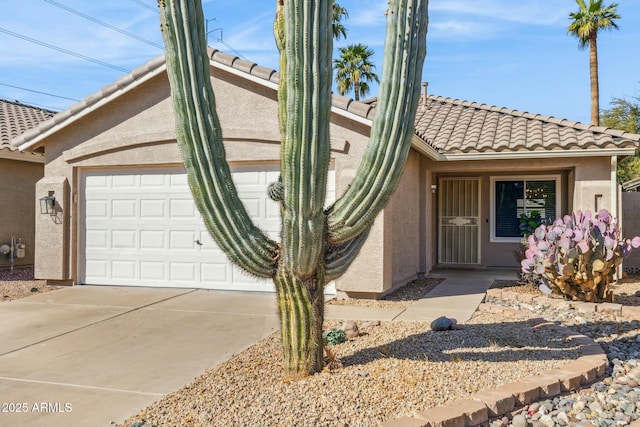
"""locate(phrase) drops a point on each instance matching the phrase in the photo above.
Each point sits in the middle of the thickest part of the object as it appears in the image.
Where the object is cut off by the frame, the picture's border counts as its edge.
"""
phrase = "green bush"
(334, 336)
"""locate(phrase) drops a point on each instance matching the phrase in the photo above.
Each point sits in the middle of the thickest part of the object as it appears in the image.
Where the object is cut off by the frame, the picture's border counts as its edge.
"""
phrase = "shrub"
(334, 336)
(577, 255)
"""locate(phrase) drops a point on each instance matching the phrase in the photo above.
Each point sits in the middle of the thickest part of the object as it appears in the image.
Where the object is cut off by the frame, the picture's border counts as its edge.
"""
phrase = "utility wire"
(155, 9)
(143, 4)
(32, 104)
(232, 49)
(68, 52)
(37, 91)
(97, 21)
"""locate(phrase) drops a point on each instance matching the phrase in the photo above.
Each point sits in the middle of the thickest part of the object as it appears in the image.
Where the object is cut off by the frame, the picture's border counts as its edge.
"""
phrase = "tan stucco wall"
(52, 246)
(18, 206)
(137, 130)
(402, 224)
(591, 178)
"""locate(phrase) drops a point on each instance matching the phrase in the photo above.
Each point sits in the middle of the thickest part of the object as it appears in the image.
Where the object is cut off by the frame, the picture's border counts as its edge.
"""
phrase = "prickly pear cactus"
(317, 243)
(578, 255)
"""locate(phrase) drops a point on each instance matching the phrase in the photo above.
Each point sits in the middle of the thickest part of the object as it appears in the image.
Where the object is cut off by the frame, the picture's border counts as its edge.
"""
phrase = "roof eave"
(421, 146)
(8, 154)
(34, 138)
(547, 154)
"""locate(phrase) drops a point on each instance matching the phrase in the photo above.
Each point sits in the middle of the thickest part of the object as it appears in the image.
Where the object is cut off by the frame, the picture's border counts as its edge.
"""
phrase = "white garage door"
(142, 228)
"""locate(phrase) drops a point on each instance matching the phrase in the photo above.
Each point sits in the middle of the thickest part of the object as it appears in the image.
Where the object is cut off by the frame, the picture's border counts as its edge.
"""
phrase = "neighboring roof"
(631, 185)
(446, 129)
(17, 118)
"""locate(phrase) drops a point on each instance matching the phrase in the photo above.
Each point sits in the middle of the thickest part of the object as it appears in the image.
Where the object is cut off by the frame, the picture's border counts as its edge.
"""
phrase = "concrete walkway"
(88, 355)
(458, 296)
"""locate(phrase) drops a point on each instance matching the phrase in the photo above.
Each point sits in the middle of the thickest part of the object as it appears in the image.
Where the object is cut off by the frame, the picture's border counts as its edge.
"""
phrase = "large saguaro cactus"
(318, 244)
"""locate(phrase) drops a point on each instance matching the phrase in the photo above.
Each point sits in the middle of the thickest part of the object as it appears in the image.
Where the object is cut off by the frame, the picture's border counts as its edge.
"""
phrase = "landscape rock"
(371, 323)
(441, 324)
(519, 421)
(351, 329)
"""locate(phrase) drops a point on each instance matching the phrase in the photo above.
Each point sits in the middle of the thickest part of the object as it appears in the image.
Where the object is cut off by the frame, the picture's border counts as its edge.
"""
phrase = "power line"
(97, 21)
(143, 4)
(37, 91)
(232, 49)
(32, 104)
(68, 52)
(155, 9)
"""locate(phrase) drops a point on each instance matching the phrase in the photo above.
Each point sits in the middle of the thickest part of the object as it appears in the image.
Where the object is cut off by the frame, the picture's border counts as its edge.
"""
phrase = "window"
(512, 197)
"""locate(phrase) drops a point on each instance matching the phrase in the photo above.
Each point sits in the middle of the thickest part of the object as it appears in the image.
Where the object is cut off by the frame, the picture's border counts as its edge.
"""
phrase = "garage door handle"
(198, 242)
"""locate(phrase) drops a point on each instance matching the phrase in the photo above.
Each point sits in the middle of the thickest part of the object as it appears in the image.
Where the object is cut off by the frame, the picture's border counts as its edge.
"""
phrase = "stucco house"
(125, 215)
(19, 172)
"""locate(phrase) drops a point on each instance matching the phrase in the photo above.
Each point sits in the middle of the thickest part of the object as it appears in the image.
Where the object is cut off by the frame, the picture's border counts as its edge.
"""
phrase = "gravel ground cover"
(19, 283)
(613, 400)
(402, 298)
(391, 369)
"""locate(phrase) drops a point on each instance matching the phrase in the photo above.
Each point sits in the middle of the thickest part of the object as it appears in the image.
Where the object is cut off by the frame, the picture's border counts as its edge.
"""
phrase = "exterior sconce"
(48, 204)
(434, 188)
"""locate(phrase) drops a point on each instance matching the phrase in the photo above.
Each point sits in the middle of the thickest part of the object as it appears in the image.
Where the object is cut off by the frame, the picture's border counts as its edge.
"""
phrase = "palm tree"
(354, 70)
(339, 30)
(586, 23)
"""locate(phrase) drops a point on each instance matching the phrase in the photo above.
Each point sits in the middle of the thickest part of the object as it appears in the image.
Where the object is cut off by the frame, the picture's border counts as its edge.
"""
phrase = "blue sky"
(508, 53)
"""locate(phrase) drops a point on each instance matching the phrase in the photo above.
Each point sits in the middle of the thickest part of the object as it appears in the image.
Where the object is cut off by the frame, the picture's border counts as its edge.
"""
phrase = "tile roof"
(17, 118)
(454, 126)
(449, 126)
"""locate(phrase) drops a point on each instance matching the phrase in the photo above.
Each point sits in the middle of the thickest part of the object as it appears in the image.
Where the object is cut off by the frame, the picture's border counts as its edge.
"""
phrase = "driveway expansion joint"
(97, 322)
(86, 387)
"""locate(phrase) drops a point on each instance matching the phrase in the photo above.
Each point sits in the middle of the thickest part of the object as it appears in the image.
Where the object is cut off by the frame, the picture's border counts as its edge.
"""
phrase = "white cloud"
(371, 15)
(253, 35)
(453, 28)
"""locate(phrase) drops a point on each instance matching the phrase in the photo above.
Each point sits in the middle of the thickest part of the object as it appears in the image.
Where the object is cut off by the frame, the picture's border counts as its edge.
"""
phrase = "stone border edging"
(623, 311)
(479, 408)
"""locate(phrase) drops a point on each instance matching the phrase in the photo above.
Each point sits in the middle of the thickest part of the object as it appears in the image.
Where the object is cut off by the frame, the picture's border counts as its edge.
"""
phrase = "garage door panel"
(182, 240)
(214, 273)
(96, 209)
(123, 209)
(124, 181)
(152, 209)
(151, 181)
(124, 239)
(182, 272)
(96, 268)
(97, 239)
(142, 228)
(125, 270)
(152, 270)
(152, 240)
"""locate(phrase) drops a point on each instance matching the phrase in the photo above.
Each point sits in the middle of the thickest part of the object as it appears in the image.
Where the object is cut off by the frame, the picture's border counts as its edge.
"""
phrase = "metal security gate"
(459, 221)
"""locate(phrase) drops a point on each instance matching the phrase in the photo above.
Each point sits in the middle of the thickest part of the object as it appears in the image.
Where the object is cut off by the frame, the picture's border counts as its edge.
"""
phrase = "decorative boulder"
(442, 324)
(351, 329)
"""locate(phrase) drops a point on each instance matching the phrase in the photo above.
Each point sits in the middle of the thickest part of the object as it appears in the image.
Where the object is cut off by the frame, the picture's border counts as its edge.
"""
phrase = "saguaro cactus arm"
(305, 145)
(384, 158)
(199, 136)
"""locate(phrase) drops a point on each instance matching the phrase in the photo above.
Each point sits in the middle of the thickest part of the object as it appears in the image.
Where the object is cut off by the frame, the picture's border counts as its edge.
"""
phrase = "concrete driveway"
(90, 356)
